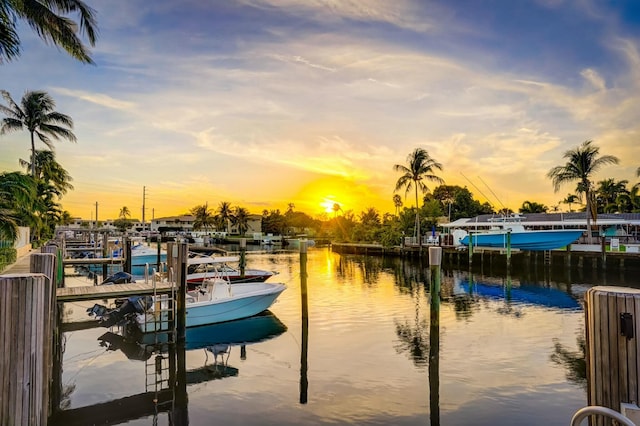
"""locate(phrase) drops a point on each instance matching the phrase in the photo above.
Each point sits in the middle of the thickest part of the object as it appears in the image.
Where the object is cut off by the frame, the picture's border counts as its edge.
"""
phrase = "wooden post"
(181, 296)
(304, 382)
(243, 255)
(105, 254)
(604, 253)
(470, 250)
(127, 254)
(46, 264)
(435, 261)
(25, 344)
(612, 324)
(159, 255)
(508, 250)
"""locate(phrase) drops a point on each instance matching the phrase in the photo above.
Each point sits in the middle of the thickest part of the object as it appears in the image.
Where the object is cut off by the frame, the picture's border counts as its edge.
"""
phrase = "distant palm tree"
(203, 218)
(47, 18)
(36, 114)
(571, 199)
(607, 193)
(125, 212)
(240, 219)
(225, 213)
(336, 208)
(397, 202)
(533, 207)
(420, 166)
(370, 216)
(582, 163)
(66, 218)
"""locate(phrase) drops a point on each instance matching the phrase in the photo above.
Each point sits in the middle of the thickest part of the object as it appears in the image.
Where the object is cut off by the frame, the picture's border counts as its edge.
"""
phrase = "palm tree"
(397, 202)
(17, 195)
(225, 213)
(47, 169)
(124, 212)
(420, 166)
(582, 163)
(203, 218)
(47, 18)
(607, 193)
(533, 207)
(336, 208)
(66, 218)
(240, 219)
(36, 114)
(370, 216)
(571, 199)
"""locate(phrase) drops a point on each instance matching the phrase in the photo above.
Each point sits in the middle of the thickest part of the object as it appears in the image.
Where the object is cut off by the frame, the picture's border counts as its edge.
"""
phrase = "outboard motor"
(129, 307)
(118, 278)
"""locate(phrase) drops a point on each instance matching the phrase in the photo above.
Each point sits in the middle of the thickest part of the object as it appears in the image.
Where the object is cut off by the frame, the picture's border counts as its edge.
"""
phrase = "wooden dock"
(94, 261)
(74, 294)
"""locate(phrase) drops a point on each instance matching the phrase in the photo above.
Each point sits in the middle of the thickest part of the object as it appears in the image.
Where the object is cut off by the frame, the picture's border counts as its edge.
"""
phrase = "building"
(184, 224)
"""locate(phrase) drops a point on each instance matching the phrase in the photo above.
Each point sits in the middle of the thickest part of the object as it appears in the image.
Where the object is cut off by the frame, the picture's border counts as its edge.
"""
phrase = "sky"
(263, 103)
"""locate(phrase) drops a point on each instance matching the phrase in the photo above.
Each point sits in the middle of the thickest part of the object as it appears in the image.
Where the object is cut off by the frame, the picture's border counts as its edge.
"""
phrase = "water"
(502, 341)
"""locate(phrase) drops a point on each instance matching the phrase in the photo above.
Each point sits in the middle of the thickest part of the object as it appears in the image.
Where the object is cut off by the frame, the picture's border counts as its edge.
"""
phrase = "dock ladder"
(158, 366)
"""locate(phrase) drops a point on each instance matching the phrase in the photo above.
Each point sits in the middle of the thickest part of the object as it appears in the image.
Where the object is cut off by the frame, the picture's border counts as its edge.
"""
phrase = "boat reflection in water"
(519, 293)
(215, 339)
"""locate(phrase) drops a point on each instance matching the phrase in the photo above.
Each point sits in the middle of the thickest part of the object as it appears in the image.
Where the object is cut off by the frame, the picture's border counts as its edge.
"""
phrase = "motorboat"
(215, 301)
(509, 231)
(202, 267)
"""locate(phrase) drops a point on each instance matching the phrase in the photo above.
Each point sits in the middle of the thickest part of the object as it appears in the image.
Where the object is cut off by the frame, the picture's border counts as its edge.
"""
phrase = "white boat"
(215, 301)
(202, 267)
(509, 231)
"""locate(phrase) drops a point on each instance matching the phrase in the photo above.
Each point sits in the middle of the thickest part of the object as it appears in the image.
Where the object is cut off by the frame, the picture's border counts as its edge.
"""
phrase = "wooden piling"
(181, 296)
(304, 383)
(25, 342)
(127, 254)
(612, 325)
(243, 256)
(435, 261)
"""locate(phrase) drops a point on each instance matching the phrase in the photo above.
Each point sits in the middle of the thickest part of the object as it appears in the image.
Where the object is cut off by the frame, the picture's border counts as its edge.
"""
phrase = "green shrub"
(8, 255)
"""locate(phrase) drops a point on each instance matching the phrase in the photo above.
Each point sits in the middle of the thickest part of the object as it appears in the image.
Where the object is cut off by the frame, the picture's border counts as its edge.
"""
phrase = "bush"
(8, 255)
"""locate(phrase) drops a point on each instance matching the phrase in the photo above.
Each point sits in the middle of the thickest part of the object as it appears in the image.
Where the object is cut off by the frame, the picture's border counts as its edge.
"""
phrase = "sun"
(328, 204)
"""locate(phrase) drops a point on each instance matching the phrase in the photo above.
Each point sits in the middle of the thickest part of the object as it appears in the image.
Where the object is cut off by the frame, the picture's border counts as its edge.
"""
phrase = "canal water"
(510, 351)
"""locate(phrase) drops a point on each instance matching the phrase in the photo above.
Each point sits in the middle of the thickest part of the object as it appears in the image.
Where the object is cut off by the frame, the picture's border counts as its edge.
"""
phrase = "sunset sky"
(263, 103)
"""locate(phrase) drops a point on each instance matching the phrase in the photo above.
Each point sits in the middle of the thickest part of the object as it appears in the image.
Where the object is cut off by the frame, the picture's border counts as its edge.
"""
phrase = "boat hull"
(527, 240)
(248, 299)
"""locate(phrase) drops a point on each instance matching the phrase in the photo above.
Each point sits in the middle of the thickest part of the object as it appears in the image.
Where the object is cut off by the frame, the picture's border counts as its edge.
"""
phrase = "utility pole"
(144, 198)
(96, 214)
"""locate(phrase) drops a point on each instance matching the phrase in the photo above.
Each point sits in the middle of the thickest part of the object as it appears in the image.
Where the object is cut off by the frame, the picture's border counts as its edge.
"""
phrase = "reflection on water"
(362, 346)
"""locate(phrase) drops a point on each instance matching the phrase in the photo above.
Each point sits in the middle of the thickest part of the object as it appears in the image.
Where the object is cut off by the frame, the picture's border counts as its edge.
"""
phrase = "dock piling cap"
(614, 289)
(435, 256)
